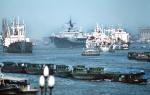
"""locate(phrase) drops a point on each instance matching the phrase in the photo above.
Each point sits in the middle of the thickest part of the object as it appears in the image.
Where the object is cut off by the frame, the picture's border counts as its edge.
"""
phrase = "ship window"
(16, 32)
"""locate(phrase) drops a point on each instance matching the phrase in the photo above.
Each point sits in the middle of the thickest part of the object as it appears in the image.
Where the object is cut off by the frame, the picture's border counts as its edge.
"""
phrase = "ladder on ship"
(23, 47)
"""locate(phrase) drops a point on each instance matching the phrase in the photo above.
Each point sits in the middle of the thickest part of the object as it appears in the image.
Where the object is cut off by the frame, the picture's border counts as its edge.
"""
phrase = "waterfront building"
(144, 34)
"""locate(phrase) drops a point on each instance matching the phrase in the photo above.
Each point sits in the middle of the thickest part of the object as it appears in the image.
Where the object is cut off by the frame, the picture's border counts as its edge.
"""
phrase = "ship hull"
(68, 43)
(19, 47)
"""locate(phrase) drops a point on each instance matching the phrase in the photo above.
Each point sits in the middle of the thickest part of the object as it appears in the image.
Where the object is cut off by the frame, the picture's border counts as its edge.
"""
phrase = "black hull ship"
(14, 39)
(72, 37)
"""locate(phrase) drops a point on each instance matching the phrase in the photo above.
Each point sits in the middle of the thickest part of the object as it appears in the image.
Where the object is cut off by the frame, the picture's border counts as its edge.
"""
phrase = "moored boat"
(141, 56)
(90, 52)
(15, 86)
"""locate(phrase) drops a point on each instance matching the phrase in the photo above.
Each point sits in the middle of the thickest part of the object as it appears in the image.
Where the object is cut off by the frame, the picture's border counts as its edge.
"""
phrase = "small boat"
(141, 56)
(132, 79)
(90, 48)
(90, 52)
(15, 86)
(121, 46)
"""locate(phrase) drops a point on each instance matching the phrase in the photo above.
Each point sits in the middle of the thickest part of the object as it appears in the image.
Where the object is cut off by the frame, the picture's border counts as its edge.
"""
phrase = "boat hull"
(19, 47)
(88, 76)
(68, 43)
(90, 53)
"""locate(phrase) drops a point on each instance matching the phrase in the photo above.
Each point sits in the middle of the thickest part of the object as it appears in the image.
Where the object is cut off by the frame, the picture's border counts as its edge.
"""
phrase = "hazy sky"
(46, 16)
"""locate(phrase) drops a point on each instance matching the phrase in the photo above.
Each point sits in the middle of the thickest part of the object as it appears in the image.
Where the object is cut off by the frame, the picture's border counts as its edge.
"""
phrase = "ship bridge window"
(16, 32)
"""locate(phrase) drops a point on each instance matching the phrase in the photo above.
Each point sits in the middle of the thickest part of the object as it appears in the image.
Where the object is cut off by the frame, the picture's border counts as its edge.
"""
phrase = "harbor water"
(112, 61)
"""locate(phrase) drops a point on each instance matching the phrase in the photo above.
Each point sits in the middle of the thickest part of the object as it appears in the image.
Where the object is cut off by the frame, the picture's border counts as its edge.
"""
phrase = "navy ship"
(72, 37)
(14, 39)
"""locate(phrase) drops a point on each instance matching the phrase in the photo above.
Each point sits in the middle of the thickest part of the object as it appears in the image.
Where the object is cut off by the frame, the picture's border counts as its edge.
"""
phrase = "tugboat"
(72, 37)
(91, 48)
(132, 77)
(14, 38)
(90, 52)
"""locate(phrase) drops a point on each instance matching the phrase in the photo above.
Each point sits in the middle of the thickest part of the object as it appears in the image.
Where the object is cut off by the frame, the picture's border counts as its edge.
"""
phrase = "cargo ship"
(14, 39)
(72, 37)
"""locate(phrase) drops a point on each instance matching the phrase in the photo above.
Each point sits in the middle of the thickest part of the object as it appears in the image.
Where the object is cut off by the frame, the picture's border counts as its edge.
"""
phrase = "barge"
(142, 56)
(79, 72)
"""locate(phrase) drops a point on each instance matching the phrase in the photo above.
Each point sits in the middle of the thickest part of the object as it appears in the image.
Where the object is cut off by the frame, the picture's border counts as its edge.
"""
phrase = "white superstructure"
(120, 35)
(13, 32)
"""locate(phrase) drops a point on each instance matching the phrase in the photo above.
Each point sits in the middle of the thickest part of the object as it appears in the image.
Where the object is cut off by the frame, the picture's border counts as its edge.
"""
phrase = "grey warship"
(72, 37)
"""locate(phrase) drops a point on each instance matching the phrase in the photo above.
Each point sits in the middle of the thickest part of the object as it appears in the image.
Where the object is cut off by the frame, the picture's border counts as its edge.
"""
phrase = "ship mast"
(13, 27)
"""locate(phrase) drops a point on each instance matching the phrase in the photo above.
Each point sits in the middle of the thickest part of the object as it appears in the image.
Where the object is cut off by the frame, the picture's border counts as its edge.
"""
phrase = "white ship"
(108, 39)
(101, 40)
(91, 48)
(121, 38)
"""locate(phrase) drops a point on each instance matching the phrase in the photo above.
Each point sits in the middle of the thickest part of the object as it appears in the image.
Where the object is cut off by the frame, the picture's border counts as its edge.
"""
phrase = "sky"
(44, 17)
